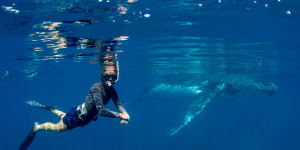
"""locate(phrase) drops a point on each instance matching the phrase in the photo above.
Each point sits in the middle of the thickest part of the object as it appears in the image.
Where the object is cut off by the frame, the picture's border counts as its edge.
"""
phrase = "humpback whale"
(205, 92)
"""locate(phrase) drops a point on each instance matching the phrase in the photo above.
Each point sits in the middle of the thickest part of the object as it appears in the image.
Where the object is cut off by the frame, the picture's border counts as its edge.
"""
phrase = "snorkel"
(109, 63)
(109, 79)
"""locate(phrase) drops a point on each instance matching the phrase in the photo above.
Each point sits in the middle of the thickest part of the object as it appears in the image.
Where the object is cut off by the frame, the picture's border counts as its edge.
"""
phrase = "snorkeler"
(98, 96)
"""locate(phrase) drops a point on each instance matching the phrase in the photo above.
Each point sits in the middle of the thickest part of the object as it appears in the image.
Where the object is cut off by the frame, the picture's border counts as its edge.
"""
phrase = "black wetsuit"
(98, 96)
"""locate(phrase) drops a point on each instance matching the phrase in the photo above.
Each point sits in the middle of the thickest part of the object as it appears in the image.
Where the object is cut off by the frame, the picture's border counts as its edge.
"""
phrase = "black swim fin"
(38, 105)
(26, 143)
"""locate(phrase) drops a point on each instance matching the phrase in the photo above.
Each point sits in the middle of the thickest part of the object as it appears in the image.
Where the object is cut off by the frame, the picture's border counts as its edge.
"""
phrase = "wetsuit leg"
(48, 126)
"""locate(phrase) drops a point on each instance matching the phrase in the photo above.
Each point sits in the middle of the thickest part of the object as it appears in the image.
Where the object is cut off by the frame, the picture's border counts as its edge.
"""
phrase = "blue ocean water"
(194, 74)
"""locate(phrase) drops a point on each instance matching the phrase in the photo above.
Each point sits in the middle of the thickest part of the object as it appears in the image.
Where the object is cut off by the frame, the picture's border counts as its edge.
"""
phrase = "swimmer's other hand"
(124, 116)
(124, 122)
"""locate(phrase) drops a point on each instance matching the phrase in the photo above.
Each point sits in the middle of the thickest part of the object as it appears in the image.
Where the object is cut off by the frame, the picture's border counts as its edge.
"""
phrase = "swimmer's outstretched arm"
(96, 97)
(123, 115)
(117, 102)
(103, 111)
(108, 113)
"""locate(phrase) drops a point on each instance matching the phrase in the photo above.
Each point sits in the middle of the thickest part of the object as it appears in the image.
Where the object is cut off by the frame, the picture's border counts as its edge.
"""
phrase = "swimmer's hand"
(124, 121)
(124, 118)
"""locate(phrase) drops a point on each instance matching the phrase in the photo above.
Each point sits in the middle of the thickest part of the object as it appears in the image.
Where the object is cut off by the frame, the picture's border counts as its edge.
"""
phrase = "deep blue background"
(249, 121)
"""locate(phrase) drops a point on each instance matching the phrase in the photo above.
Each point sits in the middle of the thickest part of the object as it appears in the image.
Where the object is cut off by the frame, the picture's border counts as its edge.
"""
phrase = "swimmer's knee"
(62, 116)
(62, 129)
(36, 127)
(58, 112)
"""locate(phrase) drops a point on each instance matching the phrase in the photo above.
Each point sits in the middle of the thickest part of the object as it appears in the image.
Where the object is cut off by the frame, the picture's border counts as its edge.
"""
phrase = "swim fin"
(34, 103)
(26, 143)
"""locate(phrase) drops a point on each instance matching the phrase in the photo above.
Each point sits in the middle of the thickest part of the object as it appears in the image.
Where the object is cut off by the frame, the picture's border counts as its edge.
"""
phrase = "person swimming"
(98, 96)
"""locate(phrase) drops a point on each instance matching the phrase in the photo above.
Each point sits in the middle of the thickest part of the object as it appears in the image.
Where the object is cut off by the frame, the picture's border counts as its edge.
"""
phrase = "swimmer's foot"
(28, 140)
(34, 129)
(38, 105)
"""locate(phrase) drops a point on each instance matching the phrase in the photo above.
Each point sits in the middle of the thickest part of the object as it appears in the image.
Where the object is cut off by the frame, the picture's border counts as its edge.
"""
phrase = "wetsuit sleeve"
(109, 113)
(97, 98)
(117, 102)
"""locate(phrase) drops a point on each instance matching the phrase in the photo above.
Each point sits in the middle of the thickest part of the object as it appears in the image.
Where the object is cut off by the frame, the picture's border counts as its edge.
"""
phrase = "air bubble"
(266, 5)
(147, 15)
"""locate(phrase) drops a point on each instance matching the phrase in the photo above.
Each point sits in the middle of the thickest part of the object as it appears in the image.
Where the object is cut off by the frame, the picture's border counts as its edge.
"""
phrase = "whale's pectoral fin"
(195, 109)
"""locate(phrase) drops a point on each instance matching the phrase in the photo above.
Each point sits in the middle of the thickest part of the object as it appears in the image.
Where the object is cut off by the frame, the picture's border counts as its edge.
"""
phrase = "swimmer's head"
(109, 79)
